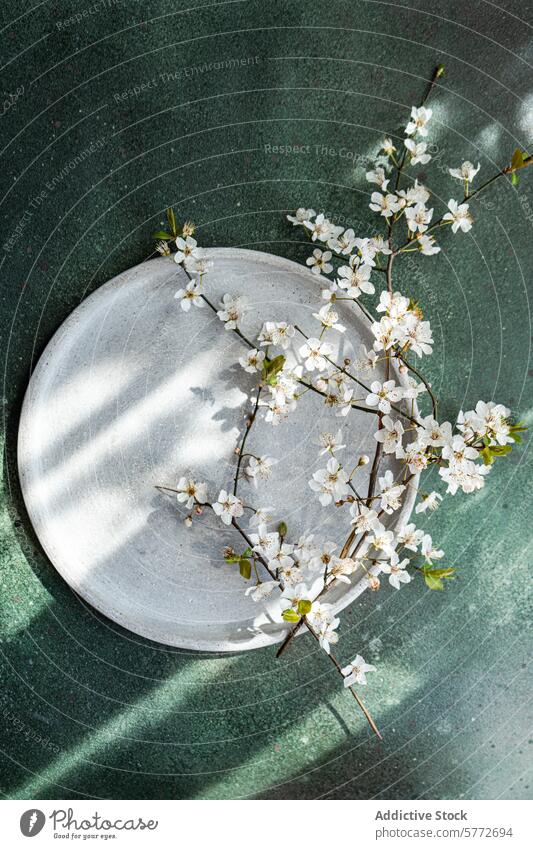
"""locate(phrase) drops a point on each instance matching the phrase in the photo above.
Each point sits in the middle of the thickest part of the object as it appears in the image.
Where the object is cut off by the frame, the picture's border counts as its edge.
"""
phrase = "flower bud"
(188, 229)
(188, 521)
(364, 459)
(373, 583)
(403, 369)
(347, 361)
(198, 509)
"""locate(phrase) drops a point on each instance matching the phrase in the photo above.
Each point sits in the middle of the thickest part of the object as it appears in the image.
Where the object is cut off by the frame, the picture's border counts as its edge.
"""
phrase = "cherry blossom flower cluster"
(293, 576)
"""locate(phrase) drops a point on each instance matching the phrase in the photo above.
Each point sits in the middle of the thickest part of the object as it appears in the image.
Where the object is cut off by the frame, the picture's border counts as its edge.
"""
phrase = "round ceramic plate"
(133, 392)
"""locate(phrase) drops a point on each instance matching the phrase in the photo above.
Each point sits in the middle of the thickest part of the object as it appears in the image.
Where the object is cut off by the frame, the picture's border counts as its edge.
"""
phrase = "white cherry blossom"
(320, 262)
(464, 475)
(459, 216)
(416, 334)
(417, 193)
(228, 507)
(341, 569)
(252, 361)
(427, 245)
(397, 573)
(329, 318)
(262, 516)
(390, 436)
(322, 229)
(415, 457)
(189, 295)
(382, 540)
(429, 551)
(331, 443)
(331, 483)
(264, 542)
(390, 492)
(232, 308)
(305, 549)
(419, 118)
(259, 468)
(418, 218)
(314, 353)
(466, 172)
(343, 243)
(386, 205)
(387, 146)
(280, 557)
(379, 177)
(382, 395)
(301, 216)
(355, 279)
(430, 432)
(429, 501)
(291, 574)
(191, 492)
(394, 304)
(198, 266)
(364, 518)
(409, 536)
(380, 245)
(187, 249)
(366, 361)
(417, 152)
(355, 672)
(323, 557)
(261, 591)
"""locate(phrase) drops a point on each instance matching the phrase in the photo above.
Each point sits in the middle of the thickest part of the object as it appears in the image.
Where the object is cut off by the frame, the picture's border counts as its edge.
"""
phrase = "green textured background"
(89, 710)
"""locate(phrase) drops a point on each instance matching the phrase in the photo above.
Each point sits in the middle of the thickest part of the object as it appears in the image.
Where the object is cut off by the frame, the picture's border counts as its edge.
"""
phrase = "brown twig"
(247, 430)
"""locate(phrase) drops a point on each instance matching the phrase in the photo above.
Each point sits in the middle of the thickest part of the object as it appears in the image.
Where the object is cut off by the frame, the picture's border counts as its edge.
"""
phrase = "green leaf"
(245, 568)
(433, 583)
(487, 456)
(272, 367)
(440, 71)
(514, 179)
(434, 577)
(501, 450)
(161, 234)
(518, 159)
(247, 552)
(304, 606)
(171, 218)
(290, 615)
(282, 529)
(233, 558)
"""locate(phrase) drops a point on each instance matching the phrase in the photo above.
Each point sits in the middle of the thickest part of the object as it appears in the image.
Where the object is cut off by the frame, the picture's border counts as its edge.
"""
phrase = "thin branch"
(247, 430)
(434, 402)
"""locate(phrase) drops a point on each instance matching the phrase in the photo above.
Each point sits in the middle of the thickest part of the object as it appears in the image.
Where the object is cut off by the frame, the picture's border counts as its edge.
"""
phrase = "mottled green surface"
(90, 710)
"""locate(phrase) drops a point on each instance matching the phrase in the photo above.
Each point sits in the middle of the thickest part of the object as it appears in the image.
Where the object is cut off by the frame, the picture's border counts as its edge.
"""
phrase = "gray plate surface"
(132, 392)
